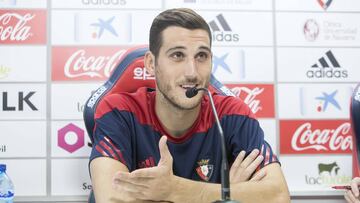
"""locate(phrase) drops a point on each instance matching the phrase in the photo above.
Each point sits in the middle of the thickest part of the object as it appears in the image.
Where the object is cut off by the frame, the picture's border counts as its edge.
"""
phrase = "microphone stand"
(225, 182)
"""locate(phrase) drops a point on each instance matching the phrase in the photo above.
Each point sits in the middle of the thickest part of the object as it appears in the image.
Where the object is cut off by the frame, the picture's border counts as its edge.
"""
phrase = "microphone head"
(191, 92)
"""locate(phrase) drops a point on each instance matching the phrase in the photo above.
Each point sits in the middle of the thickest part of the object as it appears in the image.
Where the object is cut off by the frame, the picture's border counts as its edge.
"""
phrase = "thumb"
(165, 156)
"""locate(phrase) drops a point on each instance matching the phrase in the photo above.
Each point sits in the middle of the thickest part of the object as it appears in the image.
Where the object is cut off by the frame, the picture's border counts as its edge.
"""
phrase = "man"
(162, 146)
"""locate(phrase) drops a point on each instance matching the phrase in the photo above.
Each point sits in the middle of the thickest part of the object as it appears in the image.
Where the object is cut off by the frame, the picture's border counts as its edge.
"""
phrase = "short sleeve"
(247, 135)
(112, 137)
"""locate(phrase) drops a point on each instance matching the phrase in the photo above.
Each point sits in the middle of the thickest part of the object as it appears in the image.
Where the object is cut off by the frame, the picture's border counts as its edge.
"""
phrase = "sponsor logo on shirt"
(204, 169)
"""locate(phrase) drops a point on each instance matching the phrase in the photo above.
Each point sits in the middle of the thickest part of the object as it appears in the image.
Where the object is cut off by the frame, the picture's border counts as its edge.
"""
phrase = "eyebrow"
(182, 47)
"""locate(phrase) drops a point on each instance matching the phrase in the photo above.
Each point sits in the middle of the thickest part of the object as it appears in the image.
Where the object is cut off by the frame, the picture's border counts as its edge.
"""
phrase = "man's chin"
(190, 105)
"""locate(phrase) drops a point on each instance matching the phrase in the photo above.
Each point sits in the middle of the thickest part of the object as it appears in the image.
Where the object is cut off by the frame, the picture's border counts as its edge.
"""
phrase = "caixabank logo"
(222, 31)
(327, 67)
(328, 174)
(102, 27)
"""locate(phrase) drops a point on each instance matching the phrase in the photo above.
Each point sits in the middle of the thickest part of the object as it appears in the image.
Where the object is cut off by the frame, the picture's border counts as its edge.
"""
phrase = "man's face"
(184, 61)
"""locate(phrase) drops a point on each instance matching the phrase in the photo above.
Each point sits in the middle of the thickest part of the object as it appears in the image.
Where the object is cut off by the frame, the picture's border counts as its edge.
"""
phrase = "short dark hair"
(182, 17)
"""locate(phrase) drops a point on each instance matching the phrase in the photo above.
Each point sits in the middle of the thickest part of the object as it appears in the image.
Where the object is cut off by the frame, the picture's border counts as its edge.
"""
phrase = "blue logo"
(327, 99)
(220, 61)
(104, 25)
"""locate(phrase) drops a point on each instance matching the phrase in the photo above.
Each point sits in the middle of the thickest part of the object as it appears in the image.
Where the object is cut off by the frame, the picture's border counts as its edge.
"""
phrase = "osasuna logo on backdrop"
(23, 103)
(327, 67)
(259, 97)
(315, 137)
(221, 30)
(311, 30)
(23, 26)
(328, 173)
(324, 3)
(84, 63)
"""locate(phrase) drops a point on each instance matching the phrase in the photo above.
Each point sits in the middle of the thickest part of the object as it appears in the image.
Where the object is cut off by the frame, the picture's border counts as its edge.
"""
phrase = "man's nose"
(190, 69)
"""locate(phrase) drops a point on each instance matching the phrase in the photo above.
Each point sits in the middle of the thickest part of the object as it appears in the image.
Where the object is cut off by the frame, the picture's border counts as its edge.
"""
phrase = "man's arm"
(272, 188)
(159, 183)
(102, 170)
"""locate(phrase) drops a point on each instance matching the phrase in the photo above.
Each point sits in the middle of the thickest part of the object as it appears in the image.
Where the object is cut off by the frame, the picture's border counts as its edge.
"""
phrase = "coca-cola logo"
(80, 64)
(249, 96)
(305, 138)
(13, 26)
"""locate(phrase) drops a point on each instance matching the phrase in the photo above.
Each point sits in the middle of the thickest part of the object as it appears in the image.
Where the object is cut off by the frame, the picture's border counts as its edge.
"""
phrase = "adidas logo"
(327, 67)
(222, 31)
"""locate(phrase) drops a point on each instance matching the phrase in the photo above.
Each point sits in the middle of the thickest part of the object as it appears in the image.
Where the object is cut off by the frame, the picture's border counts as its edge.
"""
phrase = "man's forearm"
(195, 191)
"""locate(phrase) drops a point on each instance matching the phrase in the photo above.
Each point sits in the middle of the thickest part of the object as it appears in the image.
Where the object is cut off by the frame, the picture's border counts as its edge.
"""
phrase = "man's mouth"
(188, 86)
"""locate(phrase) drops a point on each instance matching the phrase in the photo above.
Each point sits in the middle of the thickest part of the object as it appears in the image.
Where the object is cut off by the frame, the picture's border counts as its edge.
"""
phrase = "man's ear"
(149, 62)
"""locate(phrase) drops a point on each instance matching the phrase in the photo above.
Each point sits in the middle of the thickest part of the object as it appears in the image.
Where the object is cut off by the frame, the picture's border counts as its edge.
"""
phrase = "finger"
(239, 159)
(252, 167)
(258, 176)
(131, 178)
(125, 186)
(137, 195)
(149, 173)
(355, 187)
(347, 198)
(351, 197)
(250, 158)
(165, 156)
(255, 164)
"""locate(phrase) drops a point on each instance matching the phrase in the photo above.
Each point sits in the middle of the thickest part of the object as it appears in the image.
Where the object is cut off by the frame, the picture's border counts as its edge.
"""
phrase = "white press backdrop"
(295, 62)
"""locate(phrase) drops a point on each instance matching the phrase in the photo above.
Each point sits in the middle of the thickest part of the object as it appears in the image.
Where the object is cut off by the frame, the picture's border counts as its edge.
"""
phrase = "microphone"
(225, 182)
(192, 92)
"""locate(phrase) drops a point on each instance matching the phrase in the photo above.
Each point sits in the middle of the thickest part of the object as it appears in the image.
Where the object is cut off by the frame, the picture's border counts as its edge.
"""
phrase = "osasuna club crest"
(204, 170)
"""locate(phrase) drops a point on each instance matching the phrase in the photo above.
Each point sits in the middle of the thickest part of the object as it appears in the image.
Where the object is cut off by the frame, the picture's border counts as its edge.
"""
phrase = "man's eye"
(202, 56)
(177, 55)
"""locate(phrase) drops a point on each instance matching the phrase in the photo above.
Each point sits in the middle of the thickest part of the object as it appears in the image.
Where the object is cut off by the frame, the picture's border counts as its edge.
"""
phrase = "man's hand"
(241, 169)
(149, 183)
(352, 196)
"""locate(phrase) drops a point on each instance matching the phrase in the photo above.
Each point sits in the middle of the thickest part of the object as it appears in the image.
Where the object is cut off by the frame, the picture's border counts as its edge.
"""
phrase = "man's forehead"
(185, 38)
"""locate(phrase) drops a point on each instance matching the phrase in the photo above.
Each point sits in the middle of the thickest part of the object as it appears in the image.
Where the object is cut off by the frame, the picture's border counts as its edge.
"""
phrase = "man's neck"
(175, 121)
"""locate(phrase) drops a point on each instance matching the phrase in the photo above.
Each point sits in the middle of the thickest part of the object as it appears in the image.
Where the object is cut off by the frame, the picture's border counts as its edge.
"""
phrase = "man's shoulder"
(124, 101)
(230, 105)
